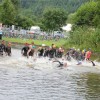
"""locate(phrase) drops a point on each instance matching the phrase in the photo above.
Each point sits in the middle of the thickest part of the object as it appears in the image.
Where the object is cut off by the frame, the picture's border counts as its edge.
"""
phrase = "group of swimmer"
(43, 51)
(79, 55)
(5, 49)
(51, 52)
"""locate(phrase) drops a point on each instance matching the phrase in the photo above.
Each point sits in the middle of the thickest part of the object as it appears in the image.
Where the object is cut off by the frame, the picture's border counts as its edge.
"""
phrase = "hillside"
(37, 6)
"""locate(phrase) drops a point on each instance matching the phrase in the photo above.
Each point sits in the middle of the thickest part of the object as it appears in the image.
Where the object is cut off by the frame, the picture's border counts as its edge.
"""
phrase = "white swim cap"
(43, 45)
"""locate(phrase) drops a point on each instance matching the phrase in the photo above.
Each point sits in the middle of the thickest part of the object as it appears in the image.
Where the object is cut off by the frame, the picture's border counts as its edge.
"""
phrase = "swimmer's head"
(32, 43)
(9, 44)
(65, 64)
(3, 42)
(26, 44)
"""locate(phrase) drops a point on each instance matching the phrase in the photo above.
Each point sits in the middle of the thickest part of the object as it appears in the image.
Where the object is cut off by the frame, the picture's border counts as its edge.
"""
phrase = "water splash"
(17, 60)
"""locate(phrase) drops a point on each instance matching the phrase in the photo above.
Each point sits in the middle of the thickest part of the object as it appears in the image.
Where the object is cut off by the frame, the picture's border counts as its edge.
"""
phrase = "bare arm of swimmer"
(30, 48)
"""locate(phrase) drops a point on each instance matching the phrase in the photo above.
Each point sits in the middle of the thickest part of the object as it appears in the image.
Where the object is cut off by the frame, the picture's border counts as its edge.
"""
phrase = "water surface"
(25, 79)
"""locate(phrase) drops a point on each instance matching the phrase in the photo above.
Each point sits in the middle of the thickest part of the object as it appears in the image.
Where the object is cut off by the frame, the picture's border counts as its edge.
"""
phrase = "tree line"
(85, 20)
(38, 6)
(25, 13)
(86, 26)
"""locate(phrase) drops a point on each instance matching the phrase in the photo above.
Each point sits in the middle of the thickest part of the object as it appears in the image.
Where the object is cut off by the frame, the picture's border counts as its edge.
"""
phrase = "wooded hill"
(37, 6)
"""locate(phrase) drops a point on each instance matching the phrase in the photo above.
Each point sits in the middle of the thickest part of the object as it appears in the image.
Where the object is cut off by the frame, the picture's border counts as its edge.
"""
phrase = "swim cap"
(26, 43)
(43, 44)
(54, 46)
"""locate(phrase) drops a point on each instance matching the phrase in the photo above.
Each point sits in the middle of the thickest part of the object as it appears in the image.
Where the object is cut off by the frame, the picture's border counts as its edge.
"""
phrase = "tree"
(86, 13)
(38, 6)
(8, 12)
(24, 22)
(16, 4)
(54, 18)
(96, 19)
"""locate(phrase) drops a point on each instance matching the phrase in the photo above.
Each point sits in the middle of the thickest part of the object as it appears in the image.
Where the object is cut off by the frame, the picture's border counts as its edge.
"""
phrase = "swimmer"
(61, 64)
(25, 49)
(31, 50)
(2, 48)
(8, 49)
(79, 63)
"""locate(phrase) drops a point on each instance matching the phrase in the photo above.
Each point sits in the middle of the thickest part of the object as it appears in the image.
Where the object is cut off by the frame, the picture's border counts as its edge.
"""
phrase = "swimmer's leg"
(93, 63)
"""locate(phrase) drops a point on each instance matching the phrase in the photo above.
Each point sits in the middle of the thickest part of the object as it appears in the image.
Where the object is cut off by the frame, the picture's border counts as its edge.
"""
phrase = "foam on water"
(17, 60)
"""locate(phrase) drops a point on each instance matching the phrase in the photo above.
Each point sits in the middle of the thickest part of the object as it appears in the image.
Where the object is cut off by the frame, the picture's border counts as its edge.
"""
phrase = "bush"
(87, 14)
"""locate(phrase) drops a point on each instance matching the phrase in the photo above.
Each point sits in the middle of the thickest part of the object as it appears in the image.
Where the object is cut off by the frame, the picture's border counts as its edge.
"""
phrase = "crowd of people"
(50, 52)
(5, 49)
(78, 54)
(54, 52)
(42, 51)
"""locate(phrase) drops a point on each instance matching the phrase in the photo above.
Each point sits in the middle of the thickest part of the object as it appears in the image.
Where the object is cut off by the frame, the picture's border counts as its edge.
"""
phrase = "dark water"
(20, 80)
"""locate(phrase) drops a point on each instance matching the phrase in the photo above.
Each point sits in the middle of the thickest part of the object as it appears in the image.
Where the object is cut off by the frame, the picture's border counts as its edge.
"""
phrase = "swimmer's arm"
(57, 61)
(28, 51)
(30, 47)
(22, 51)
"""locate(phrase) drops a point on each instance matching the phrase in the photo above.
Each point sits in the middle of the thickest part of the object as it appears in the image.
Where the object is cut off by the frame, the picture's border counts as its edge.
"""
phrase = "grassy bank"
(37, 42)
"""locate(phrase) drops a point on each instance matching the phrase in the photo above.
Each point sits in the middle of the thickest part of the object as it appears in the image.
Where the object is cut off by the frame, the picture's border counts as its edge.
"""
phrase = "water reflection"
(93, 86)
(89, 86)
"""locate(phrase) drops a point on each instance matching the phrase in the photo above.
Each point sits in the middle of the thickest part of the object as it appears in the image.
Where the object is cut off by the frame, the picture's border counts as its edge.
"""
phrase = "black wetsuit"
(2, 49)
(31, 53)
(60, 64)
(59, 54)
(68, 56)
(46, 53)
(8, 51)
(52, 53)
(41, 51)
(25, 50)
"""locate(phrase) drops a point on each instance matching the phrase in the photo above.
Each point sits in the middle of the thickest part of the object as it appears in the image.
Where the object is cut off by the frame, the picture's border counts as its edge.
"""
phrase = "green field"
(58, 43)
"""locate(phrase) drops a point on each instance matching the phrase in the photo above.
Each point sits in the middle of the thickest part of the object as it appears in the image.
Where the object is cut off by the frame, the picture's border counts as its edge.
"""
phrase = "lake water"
(25, 79)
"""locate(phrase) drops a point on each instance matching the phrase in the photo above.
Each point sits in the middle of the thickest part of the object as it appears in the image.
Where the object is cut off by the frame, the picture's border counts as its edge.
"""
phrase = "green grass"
(58, 43)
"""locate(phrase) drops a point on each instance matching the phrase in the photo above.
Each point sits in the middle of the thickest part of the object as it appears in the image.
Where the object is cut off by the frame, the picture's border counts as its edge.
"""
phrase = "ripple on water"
(20, 80)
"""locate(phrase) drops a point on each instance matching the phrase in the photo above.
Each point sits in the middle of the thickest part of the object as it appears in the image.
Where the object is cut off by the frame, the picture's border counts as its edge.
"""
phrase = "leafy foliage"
(54, 18)
(16, 4)
(24, 22)
(88, 14)
(85, 37)
(86, 29)
(33, 10)
(38, 6)
(8, 12)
